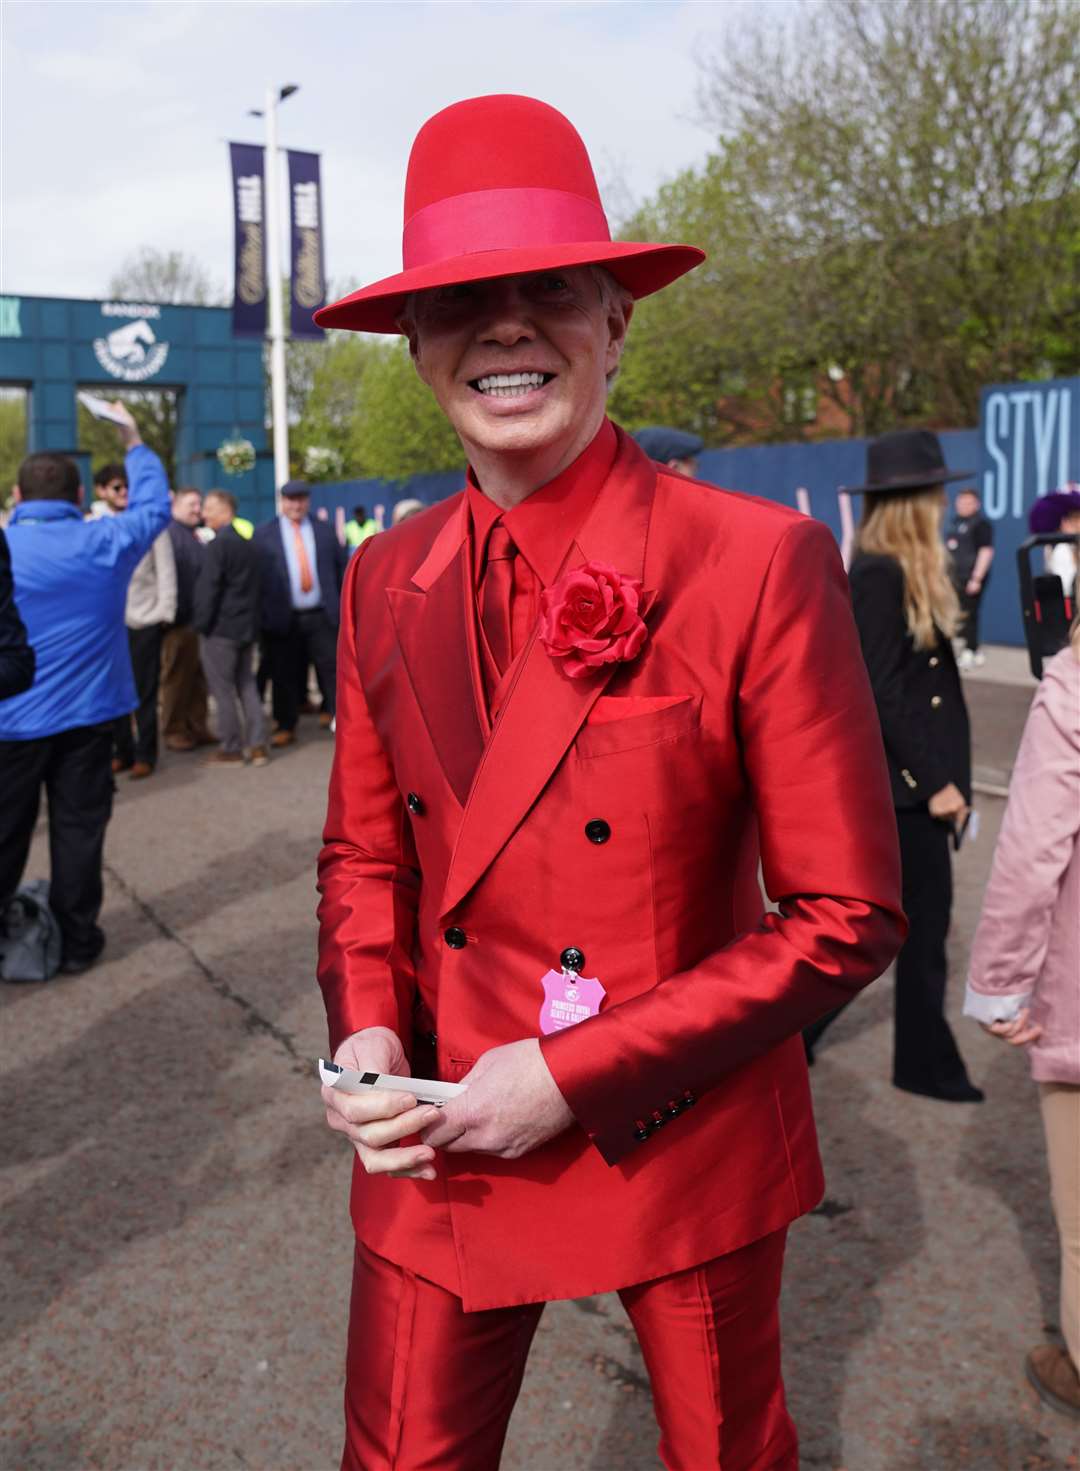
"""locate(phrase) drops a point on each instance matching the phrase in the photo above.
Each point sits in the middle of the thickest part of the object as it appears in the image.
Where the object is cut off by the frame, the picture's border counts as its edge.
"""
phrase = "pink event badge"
(568, 999)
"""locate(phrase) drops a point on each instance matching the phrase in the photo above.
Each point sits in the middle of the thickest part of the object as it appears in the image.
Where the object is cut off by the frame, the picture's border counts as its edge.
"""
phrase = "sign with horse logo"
(131, 352)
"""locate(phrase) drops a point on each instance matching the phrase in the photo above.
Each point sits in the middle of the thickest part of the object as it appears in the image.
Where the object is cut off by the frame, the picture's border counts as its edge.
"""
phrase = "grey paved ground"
(176, 1256)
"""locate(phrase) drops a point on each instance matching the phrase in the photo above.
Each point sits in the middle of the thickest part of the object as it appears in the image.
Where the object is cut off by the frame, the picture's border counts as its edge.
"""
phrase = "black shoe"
(74, 965)
(960, 1091)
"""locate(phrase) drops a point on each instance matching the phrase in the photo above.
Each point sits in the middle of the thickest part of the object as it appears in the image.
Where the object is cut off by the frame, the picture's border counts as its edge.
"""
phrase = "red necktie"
(496, 597)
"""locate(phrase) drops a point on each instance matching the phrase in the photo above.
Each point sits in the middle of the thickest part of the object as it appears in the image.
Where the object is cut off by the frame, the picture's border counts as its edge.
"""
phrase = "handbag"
(30, 939)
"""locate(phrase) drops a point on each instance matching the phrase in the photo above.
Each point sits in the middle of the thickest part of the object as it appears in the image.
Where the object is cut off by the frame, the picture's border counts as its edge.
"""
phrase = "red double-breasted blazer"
(743, 733)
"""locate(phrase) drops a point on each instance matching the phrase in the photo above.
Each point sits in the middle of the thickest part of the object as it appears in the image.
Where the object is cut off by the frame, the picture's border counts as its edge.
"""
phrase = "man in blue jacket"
(71, 579)
(16, 655)
(302, 565)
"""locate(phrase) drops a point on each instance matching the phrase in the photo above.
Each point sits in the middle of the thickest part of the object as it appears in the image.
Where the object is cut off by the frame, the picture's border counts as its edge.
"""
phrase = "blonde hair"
(907, 528)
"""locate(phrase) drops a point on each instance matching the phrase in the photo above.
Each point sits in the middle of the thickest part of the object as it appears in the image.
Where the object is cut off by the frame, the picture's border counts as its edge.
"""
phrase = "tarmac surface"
(173, 1212)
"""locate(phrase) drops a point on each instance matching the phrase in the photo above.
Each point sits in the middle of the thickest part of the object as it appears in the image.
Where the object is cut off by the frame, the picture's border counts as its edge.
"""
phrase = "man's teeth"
(510, 385)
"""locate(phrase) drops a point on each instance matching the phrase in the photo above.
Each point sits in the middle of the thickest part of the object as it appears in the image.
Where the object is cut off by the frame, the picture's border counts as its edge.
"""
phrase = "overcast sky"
(114, 117)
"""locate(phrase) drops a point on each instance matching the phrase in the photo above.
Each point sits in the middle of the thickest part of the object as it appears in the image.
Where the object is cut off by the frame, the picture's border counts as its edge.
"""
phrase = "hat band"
(500, 219)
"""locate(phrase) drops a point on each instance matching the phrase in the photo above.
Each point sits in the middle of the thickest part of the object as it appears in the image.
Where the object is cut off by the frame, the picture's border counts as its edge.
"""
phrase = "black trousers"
(311, 639)
(969, 606)
(925, 1054)
(74, 768)
(145, 646)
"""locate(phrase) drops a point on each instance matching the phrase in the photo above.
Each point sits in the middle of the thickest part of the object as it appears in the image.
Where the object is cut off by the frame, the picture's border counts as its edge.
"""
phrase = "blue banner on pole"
(249, 225)
(308, 282)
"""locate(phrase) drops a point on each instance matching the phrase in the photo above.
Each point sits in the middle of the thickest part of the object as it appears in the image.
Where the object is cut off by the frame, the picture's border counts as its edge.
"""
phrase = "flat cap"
(669, 444)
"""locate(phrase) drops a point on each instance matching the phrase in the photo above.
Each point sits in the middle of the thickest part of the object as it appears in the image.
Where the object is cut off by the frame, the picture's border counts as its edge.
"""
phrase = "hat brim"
(641, 268)
(925, 480)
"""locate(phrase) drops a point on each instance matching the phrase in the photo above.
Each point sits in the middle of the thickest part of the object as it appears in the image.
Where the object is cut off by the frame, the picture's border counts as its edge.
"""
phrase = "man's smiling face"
(519, 364)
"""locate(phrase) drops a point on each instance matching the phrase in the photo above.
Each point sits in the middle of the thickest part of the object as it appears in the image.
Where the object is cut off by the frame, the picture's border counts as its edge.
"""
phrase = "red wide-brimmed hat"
(498, 186)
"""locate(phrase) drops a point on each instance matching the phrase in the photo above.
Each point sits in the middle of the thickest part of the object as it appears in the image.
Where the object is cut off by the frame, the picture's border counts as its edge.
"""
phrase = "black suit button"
(641, 1133)
(455, 938)
(597, 831)
(658, 1119)
(414, 804)
(572, 959)
(672, 1109)
(688, 1099)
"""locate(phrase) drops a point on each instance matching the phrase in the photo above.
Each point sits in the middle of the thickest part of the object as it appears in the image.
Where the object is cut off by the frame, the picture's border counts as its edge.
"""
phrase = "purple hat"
(1048, 512)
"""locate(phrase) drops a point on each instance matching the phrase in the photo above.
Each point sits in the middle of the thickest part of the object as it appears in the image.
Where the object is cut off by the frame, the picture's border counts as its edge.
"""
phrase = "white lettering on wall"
(1021, 428)
(996, 482)
(1020, 402)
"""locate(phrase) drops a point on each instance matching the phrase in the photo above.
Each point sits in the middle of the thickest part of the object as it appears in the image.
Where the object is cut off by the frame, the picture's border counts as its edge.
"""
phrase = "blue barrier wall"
(1027, 443)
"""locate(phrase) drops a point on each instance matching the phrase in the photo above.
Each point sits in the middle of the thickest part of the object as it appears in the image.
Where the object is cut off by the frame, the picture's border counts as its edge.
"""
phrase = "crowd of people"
(217, 607)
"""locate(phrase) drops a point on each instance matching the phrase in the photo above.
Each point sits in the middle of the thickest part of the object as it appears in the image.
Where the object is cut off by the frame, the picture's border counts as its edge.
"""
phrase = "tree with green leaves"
(893, 196)
(366, 403)
(12, 438)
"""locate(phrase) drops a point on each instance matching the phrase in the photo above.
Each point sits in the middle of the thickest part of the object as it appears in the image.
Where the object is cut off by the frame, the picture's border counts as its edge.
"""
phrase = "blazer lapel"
(543, 709)
(438, 647)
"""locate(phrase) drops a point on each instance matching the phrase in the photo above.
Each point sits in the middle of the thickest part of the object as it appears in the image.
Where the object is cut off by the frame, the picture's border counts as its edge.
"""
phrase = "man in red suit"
(577, 704)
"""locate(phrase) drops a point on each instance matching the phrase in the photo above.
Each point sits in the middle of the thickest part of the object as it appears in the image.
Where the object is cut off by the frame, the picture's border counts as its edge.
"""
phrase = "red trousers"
(431, 1388)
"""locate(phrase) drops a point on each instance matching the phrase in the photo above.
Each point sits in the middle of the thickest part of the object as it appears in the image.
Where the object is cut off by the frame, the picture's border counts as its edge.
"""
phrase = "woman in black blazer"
(906, 611)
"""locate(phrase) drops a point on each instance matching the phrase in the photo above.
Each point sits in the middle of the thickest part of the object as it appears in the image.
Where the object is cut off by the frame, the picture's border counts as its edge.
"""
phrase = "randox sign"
(132, 351)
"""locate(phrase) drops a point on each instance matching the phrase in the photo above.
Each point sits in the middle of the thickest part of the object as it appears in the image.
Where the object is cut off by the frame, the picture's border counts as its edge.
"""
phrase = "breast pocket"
(631, 722)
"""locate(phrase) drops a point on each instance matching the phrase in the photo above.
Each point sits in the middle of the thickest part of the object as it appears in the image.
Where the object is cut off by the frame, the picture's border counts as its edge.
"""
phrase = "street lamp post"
(279, 411)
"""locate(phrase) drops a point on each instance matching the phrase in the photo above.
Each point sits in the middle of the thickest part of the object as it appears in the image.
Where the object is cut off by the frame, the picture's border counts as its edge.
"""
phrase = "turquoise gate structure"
(53, 346)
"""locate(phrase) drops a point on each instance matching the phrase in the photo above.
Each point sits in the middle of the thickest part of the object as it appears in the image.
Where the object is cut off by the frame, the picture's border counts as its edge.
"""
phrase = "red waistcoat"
(744, 732)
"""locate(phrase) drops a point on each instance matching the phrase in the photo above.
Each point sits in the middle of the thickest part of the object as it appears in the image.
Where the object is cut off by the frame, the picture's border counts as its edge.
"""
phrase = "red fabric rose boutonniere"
(592, 617)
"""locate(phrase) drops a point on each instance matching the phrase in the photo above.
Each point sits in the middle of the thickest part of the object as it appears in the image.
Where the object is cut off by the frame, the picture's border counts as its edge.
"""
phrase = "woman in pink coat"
(1024, 984)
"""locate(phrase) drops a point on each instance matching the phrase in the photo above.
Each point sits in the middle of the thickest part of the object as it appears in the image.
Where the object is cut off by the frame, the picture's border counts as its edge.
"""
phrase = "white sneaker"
(966, 660)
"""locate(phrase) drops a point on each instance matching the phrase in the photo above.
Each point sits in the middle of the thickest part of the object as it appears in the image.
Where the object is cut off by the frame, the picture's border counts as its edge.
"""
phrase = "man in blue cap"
(674, 448)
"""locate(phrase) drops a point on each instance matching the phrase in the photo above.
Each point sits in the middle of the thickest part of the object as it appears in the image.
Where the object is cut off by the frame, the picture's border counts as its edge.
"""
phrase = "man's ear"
(80, 498)
(16, 496)
(413, 339)
(618, 322)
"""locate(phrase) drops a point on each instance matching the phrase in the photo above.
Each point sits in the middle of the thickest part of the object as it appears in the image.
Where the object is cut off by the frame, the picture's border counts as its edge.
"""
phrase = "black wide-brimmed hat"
(907, 459)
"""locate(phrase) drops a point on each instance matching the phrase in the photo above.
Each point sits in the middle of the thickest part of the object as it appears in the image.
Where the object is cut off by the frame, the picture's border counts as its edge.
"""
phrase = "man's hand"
(972, 586)
(378, 1119)
(511, 1105)
(128, 430)
(948, 805)
(1019, 1031)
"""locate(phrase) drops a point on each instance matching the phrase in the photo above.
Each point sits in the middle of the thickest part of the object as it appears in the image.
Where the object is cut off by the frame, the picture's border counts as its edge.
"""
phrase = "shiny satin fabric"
(431, 1388)
(745, 729)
